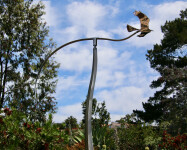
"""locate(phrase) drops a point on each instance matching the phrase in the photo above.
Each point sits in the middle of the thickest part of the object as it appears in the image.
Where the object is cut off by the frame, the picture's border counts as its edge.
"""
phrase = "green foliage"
(135, 135)
(170, 59)
(138, 136)
(71, 122)
(100, 115)
(24, 44)
(112, 139)
(61, 125)
(76, 136)
(17, 131)
(99, 135)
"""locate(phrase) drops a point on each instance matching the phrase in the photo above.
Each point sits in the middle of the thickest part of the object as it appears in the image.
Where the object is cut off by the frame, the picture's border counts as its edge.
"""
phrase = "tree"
(24, 44)
(99, 111)
(170, 59)
(71, 122)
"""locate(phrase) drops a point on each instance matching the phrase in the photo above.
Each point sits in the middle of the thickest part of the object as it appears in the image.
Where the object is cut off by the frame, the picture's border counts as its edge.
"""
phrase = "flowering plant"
(173, 143)
(18, 132)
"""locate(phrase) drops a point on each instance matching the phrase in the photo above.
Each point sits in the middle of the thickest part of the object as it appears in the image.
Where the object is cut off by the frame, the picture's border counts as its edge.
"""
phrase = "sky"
(124, 74)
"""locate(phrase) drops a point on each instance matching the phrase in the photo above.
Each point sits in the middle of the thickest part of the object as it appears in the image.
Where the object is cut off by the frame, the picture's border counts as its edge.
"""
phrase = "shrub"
(178, 142)
(18, 132)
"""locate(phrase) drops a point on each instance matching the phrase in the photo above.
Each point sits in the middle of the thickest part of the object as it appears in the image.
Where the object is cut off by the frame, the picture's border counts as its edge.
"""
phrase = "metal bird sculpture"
(144, 21)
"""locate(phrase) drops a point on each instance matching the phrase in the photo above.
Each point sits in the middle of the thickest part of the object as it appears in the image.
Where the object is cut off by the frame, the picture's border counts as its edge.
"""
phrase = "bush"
(178, 142)
(138, 136)
(18, 132)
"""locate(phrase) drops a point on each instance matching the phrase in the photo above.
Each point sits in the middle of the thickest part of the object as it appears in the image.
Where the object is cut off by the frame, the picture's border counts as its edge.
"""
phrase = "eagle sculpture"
(144, 21)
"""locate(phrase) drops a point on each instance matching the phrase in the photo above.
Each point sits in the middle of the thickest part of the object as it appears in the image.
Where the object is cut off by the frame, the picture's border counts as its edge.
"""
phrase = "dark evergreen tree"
(24, 43)
(170, 59)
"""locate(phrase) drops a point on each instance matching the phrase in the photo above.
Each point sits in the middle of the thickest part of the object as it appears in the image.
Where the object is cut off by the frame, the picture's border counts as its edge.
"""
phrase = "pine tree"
(170, 59)
(24, 44)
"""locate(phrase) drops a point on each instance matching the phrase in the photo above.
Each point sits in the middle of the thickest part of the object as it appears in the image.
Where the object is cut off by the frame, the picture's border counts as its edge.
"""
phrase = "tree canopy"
(24, 44)
(170, 59)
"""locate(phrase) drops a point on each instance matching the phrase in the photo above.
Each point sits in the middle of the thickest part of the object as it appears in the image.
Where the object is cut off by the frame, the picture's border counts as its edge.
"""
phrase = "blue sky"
(124, 74)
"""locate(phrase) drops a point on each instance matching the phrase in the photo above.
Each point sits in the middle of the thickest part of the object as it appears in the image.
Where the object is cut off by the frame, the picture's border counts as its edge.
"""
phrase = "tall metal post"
(88, 116)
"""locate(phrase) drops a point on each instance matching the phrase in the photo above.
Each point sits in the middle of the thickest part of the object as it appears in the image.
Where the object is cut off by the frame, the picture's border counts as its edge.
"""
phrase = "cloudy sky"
(124, 74)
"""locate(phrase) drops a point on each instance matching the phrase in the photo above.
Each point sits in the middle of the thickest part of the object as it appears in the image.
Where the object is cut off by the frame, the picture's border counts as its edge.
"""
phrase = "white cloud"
(51, 16)
(115, 117)
(64, 112)
(111, 66)
(70, 84)
(168, 11)
(123, 99)
(86, 15)
(108, 78)
(79, 59)
(111, 58)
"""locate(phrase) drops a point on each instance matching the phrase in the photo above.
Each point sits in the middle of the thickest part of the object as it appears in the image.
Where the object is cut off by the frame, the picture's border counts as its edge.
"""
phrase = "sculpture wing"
(144, 20)
(130, 28)
(142, 34)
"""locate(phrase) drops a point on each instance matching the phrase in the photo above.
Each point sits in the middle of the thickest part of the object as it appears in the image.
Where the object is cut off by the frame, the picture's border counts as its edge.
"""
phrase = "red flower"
(164, 139)
(28, 126)
(184, 136)
(46, 146)
(24, 124)
(174, 144)
(177, 140)
(38, 130)
(9, 113)
(6, 110)
(165, 132)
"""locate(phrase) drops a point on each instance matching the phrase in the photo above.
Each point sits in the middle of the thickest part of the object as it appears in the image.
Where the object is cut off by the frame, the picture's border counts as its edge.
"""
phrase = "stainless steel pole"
(88, 116)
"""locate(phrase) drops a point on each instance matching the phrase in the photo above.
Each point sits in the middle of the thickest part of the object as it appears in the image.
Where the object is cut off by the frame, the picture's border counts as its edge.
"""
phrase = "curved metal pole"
(88, 116)
(117, 40)
(85, 39)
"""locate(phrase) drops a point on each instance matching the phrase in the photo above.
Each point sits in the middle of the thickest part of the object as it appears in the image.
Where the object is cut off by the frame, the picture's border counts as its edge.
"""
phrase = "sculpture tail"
(130, 28)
